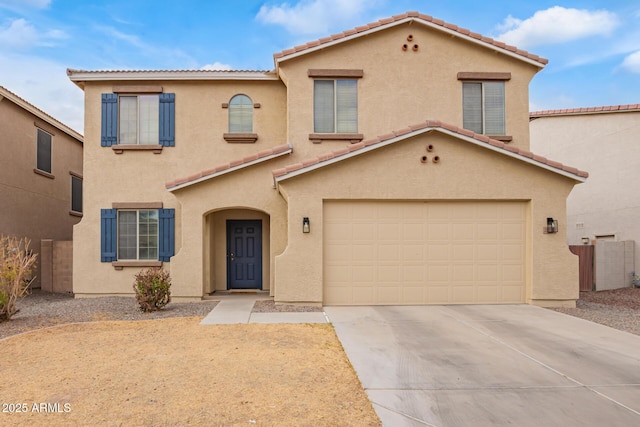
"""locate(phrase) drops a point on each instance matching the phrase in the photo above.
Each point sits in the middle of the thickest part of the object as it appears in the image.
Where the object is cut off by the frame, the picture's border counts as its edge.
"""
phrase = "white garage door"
(424, 252)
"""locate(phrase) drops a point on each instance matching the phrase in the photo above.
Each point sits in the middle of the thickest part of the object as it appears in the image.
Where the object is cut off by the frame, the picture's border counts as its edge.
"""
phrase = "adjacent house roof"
(6, 93)
(588, 110)
(232, 166)
(419, 18)
(428, 126)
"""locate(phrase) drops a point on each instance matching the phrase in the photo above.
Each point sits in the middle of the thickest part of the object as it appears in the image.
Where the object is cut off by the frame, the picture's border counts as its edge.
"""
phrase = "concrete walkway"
(233, 309)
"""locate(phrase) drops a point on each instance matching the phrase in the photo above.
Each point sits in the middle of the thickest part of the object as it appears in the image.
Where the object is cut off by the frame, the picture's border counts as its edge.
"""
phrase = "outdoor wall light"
(552, 226)
(585, 240)
(306, 226)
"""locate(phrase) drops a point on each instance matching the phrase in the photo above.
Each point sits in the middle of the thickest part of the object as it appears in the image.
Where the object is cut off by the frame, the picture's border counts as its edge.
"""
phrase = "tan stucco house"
(40, 175)
(388, 164)
(604, 140)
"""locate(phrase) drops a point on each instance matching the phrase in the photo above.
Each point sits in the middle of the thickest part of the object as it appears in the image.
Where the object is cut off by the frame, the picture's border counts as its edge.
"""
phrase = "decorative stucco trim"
(137, 89)
(137, 205)
(119, 265)
(425, 127)
(335, 73)
(410, 17)
(120, 148)
(318, 138)
(240, 138)
(232, 166)
(43, 173)
(472, 75)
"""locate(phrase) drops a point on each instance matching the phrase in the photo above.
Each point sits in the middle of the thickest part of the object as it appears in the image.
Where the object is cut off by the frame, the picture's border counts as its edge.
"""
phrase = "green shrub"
(152, 289)
(16, 266)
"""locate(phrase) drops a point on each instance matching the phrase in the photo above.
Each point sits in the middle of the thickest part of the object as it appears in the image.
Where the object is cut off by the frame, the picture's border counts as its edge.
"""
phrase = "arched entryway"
(237, 254)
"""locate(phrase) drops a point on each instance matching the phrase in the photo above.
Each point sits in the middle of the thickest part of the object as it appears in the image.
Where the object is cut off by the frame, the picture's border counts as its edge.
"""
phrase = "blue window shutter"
(167, 234)
(109, 119)
(167, 119)
(108, 227)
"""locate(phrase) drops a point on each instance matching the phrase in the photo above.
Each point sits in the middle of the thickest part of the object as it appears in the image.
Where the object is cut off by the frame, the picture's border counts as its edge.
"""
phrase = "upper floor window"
(76, 193)
(240, 114)
(484, 107)
(335, 106)
(138, 120)
(43, 142)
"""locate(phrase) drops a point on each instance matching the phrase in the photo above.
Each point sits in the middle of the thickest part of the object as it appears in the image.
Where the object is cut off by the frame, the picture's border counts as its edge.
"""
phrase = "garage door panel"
(424, 252)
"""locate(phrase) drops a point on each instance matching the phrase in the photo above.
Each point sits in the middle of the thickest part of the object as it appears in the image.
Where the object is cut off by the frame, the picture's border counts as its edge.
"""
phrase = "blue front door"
(244, 254)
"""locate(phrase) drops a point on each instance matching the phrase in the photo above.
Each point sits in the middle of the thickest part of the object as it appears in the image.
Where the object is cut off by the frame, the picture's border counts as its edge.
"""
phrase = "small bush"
(16, 266)
(152, 289)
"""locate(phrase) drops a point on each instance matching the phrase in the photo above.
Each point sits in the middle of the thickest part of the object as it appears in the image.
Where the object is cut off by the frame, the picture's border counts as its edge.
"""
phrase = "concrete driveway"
(491, 365)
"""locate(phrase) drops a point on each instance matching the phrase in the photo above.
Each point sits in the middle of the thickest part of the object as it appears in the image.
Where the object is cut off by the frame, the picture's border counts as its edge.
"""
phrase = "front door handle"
(231, 256)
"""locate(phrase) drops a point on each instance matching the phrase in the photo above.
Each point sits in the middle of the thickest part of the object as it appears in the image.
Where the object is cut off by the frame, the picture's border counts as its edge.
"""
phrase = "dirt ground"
(176, 372)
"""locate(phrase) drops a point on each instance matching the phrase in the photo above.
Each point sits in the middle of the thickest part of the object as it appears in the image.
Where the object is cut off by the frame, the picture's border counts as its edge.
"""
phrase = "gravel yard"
(618, 308)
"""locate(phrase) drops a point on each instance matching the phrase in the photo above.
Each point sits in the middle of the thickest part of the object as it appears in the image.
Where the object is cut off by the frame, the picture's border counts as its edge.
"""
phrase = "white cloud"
(314, 16)
(556, 25)
(20, 34)
(217, 66)
(632, 62)
(44, 83)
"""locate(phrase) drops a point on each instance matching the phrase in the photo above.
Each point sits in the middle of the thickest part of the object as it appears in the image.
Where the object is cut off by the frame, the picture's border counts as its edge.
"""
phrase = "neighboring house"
(40, 174)
(603, 140)
(388, 164)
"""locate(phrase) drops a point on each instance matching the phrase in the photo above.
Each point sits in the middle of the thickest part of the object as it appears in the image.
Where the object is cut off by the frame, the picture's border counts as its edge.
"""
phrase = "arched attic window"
(240, 114)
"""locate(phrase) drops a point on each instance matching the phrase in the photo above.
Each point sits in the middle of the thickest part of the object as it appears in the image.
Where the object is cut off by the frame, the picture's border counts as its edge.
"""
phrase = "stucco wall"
(605, 145)
(401, 88)
(465, 172)
(140, 176)
(32, 205)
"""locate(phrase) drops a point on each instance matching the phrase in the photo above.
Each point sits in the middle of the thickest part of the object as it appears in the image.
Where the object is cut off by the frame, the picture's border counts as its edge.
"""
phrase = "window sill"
(504, 138)
(318, 138)
(75, 213)
(119, 265)
(45, 174)
(119, 149)
(240, 138)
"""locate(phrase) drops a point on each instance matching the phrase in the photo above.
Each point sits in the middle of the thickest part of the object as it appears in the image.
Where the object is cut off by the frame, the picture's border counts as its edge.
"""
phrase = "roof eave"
(80, 76)
(301, 171)
(229, 170)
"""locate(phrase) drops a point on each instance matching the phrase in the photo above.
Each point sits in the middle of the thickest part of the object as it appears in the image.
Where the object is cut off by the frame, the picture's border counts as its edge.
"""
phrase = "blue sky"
(593, 46)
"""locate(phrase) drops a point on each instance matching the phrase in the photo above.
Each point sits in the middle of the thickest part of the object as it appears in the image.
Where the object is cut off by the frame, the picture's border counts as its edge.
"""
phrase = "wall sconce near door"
(552, 226)
(306, 226)
(585, 240)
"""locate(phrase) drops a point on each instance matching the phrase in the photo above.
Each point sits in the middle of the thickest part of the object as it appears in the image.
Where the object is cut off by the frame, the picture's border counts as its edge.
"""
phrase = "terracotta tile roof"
(4, 92)
(71, 71)
(587, 110)
(231, 166)
(415, 16)
(427, 126)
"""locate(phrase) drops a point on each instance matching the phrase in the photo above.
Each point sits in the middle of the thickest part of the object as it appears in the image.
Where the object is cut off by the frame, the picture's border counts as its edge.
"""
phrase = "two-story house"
(40, 176)
(388, 164)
